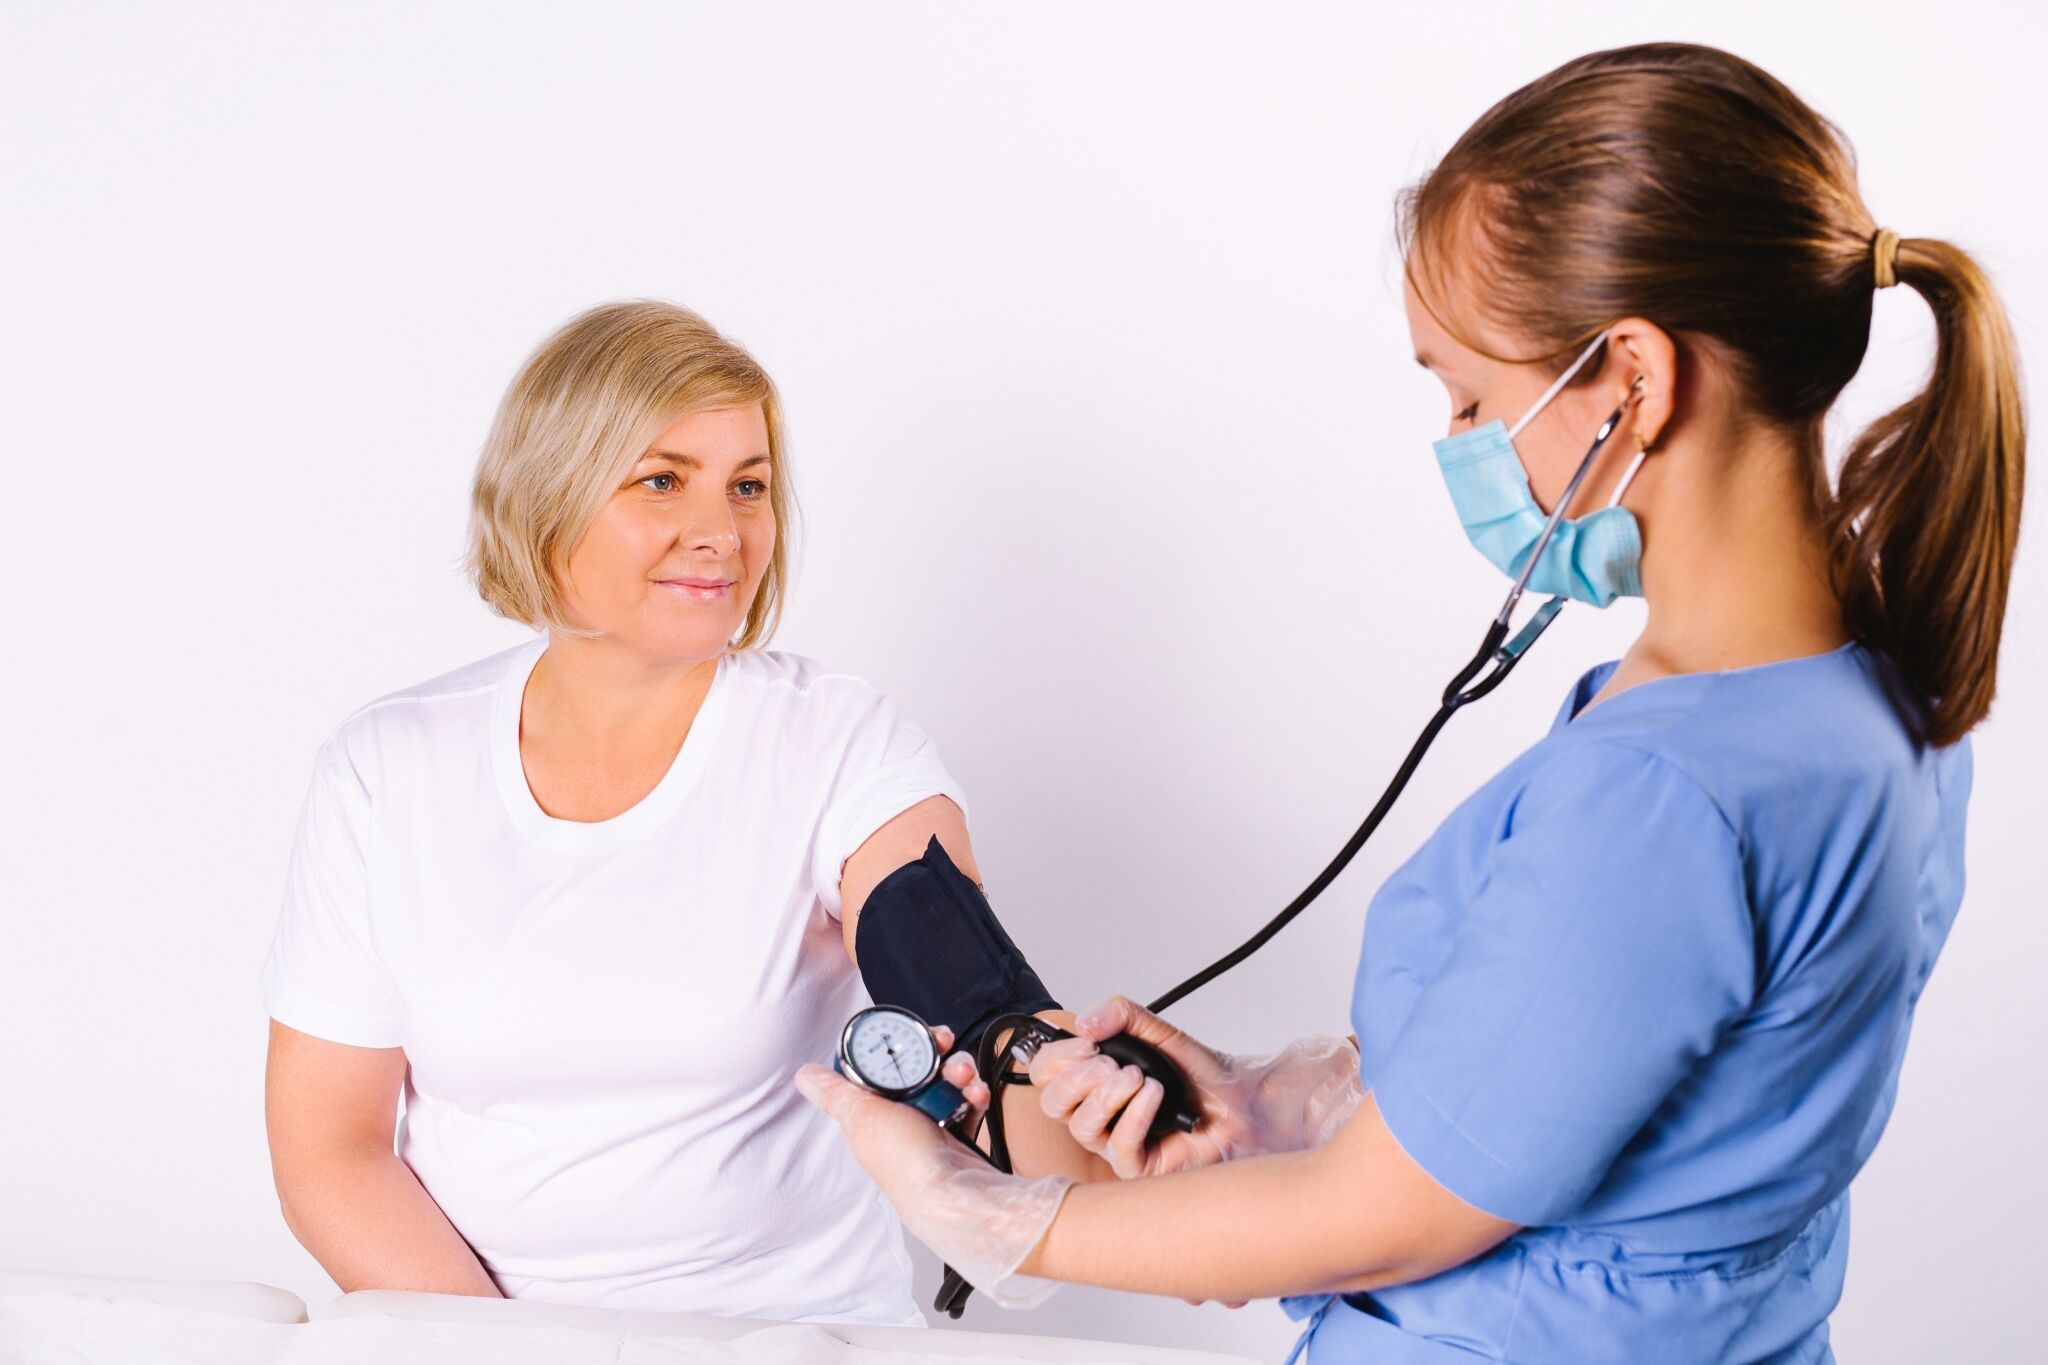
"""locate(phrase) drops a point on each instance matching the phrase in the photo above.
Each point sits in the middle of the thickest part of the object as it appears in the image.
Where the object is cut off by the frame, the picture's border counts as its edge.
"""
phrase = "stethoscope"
(1496, 657)
(1489, 667)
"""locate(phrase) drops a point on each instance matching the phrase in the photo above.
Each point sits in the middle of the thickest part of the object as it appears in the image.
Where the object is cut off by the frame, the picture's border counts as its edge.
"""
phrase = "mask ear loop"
(1637, 391)
(1564, 501)
(1557, 386)
(1642, 453)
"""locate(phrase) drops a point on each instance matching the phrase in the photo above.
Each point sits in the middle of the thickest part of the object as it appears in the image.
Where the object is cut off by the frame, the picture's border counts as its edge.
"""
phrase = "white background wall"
(1116, 469)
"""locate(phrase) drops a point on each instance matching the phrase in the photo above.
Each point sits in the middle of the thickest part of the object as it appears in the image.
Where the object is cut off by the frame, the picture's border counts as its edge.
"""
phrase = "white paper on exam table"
(48, 1328)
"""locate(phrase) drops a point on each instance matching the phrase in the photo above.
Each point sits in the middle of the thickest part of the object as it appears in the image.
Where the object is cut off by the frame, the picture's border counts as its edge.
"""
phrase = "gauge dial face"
(891, 1050)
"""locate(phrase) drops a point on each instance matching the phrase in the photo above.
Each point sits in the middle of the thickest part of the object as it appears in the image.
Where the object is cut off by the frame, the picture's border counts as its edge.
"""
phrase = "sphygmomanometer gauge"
(894, 1053)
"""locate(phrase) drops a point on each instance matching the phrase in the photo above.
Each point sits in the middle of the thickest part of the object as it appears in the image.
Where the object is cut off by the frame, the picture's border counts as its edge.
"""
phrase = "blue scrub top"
(1646, 993)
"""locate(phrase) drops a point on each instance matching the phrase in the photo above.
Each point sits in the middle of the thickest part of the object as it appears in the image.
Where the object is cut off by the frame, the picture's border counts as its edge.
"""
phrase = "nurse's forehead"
(1443, 352)
(1435, 350)
(1437, 363)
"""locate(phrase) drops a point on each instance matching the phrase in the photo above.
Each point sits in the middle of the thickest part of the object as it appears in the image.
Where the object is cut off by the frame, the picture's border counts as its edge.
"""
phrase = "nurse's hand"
(1085, 1090)
(982, 1222)
(959, 1070)
(1285, 1101)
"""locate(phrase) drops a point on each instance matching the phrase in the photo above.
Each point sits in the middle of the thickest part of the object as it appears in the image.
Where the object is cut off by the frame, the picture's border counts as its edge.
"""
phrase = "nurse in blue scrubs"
(1629, 1022)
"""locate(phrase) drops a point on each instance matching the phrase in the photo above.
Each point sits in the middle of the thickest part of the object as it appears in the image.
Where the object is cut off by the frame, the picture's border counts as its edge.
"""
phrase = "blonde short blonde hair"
(581, 411)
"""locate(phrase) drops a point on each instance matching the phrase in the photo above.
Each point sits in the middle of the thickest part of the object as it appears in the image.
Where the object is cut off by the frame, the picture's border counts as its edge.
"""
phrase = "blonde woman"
(587, 901)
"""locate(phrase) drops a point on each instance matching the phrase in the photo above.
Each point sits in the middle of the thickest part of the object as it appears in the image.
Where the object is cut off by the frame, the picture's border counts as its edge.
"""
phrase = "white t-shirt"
(601, 1019)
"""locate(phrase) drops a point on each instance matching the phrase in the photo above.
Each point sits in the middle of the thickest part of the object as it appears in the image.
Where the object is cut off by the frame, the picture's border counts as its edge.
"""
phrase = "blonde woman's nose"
(712, 534)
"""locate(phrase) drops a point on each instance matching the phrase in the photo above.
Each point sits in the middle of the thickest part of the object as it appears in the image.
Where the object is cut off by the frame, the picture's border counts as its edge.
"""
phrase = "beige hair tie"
(1884, 251)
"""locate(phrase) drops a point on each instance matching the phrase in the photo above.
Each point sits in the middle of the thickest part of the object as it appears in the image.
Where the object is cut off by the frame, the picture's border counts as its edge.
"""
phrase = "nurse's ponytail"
(1685, 185)
(1927, 506)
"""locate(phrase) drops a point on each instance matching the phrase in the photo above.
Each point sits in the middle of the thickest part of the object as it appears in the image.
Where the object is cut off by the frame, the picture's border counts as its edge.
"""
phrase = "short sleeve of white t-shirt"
(888, 766)
(600, 1018)
(322, 976)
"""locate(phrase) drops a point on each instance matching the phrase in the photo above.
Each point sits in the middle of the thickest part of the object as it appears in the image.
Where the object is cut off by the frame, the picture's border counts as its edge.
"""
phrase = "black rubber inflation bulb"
(1176, 1113)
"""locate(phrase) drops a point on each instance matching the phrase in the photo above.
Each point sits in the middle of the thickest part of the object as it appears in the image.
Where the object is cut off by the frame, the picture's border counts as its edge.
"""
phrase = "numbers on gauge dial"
(891, 1050)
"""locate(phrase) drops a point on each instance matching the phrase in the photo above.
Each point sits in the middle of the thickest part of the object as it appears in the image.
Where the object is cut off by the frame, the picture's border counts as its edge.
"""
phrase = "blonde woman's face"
(676, 554)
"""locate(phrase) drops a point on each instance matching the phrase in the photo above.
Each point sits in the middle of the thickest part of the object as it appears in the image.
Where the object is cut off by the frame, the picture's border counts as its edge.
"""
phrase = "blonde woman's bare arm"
(331, 1112)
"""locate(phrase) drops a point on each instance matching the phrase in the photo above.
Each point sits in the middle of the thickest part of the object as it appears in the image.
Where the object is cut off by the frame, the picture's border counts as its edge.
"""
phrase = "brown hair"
(1684, 185)
(582, 409)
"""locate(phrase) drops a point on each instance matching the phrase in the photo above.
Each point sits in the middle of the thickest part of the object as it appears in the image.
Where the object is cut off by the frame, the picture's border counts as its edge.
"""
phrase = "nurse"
(1630, 1021)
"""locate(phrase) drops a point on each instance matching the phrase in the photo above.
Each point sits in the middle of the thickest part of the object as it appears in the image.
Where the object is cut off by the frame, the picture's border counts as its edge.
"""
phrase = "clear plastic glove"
(1286, 1101)
(981, 1221)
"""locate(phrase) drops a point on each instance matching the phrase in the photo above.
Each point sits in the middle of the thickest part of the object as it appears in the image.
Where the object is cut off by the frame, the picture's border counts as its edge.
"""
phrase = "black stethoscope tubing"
(1487, 669)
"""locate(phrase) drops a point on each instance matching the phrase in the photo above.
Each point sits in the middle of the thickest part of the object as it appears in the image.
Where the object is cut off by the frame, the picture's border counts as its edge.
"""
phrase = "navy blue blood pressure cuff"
(928, 942)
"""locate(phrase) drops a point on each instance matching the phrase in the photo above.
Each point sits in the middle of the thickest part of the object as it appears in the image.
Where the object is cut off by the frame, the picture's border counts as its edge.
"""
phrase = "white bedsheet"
(63, 1329)
(242, 1297)
(57, 1328)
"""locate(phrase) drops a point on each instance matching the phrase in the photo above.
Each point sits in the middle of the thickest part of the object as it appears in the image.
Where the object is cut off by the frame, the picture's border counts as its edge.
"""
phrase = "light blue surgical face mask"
(1592, 559)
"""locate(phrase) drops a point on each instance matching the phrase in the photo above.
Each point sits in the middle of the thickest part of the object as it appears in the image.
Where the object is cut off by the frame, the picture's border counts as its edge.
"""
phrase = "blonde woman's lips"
(698, 589)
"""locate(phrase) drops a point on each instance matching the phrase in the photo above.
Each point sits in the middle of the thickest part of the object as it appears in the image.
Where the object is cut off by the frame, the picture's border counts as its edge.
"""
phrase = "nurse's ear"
(1644, 363)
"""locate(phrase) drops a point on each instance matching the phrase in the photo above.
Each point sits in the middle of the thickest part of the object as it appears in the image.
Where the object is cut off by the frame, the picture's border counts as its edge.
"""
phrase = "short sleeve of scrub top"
(1608, 944)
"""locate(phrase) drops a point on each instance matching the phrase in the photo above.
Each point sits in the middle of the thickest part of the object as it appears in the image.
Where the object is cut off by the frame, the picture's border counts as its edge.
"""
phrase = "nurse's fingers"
(1052, 1061)
(1091, 1118)
(1125, 1147)
(959, 1071)
(1121, 1014)
(1065, 1094)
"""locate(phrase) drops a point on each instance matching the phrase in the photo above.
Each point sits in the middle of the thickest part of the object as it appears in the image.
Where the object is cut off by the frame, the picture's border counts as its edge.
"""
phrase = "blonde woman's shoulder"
(797, 674)
(461, 696)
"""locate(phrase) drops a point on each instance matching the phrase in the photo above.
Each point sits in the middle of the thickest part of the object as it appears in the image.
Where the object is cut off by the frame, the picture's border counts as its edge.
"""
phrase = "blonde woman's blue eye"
(663, 475)
(750, 488)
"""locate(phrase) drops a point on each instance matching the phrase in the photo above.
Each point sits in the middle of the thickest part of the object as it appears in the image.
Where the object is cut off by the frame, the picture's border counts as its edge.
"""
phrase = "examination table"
(50, 1319)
